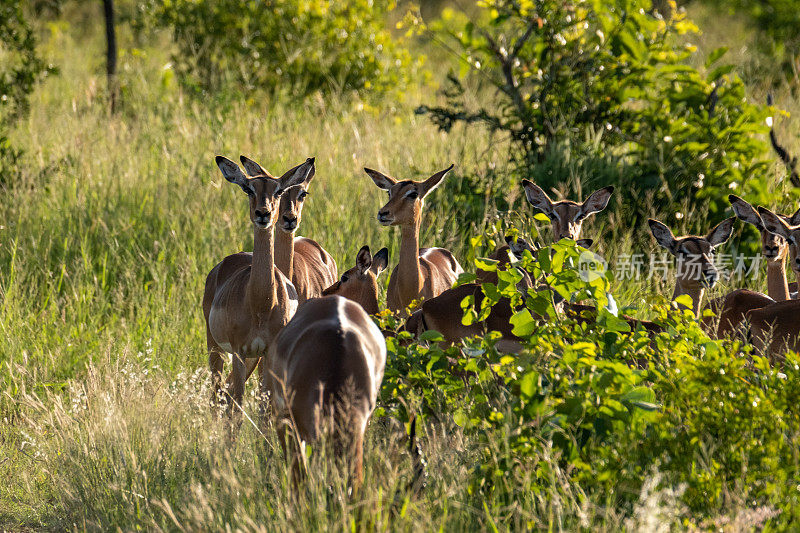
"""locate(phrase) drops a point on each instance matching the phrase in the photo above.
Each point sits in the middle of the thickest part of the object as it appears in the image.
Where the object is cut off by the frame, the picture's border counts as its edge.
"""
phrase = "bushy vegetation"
(105, 245)
(21, 68)
(606, 82)
(290, 47)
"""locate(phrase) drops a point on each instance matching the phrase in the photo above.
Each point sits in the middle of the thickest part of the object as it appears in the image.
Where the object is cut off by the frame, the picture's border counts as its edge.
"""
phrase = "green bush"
(20, 69)
(611, 404)
(290, 46)
(591, 84)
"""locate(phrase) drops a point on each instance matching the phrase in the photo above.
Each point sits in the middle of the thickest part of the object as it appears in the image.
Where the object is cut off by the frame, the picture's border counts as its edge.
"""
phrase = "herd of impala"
(284, 309)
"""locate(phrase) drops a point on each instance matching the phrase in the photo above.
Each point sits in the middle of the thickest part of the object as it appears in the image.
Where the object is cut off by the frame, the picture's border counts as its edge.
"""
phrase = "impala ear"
(596, 202)
(297, 175)
(721, 232)
(381, 180)
(363, 260)
(429, 185)
(662, 234)
(773, 223)
(794, 220)
(233, 173)
(380, 261)
(745, 211)
(252, 168)
(538, 198)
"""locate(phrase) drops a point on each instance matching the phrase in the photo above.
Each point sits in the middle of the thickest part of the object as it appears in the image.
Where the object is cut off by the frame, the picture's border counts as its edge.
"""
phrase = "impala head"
(263, 190)
(566, 216)
(405, 197)
(360, 283)
(773, 246)
(695, 254)
(786, 227)
(292, 199)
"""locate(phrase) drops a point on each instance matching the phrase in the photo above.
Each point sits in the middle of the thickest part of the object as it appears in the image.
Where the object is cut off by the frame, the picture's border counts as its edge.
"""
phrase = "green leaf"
(431, 335)
(523, 323)
(529, 384)
(483, 263)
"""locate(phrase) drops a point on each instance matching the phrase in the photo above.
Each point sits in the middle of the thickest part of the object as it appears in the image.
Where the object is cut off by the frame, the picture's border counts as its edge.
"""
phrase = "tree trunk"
(111, 54)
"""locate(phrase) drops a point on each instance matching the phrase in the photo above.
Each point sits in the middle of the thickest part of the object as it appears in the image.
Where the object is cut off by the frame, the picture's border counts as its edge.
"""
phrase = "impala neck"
(261, 291)
(409, 277)
(777, 285)
(284, 252)
(369, 300)
(695, 294)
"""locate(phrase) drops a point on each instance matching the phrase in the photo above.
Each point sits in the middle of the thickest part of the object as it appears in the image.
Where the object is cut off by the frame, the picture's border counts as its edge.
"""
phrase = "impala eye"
(412, 195)
(344, 278)
(302, 196)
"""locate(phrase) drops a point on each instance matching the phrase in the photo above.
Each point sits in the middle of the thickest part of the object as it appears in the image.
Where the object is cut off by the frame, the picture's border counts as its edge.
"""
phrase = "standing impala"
(307, 264)
(731, 309)
(773, 246)
(776, 327)
(310, 267)
(246, 306)
(787, 228)
(566, 216)
(421, 272)
(360, 283)
(696, 270)
(325, 369)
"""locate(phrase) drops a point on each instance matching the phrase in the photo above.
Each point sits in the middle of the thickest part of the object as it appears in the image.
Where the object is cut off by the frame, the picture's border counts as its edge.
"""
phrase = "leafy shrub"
(607, 84)
(20, 69)
(292, 46)
(611, 404)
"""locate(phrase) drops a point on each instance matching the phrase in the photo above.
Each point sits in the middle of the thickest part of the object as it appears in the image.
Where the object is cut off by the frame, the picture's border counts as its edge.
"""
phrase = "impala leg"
(215, 363)
(357, 459)
(250, 365)
(236, 394)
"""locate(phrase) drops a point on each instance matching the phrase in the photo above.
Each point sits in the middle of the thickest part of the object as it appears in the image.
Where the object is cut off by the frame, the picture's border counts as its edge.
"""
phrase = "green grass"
(104, 247)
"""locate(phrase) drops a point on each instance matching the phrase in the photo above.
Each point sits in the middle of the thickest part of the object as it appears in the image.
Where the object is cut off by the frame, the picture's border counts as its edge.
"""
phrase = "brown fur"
(245, 306)
(327, 364)
(421, 272)
(566, 217)
(360, 283)
(697, 253)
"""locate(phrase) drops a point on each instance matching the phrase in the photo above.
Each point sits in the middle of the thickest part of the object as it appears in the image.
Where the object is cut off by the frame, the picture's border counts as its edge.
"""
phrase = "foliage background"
(111, 222)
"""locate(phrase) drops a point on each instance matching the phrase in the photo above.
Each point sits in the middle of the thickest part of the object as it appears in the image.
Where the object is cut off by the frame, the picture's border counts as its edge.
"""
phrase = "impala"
(302, 260)
(310, 267)
(323, 372)
(246, 306)
(731, 309)
(566, 217)
(421, 272)
(776, 327)
(696, 270)
(773, 246)
(360, 283)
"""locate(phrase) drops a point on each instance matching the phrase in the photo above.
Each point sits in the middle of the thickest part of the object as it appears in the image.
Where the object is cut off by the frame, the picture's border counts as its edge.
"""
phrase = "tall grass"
(105, 242)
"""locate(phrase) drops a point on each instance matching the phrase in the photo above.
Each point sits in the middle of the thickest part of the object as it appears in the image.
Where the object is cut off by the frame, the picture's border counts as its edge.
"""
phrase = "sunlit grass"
(105, 243)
